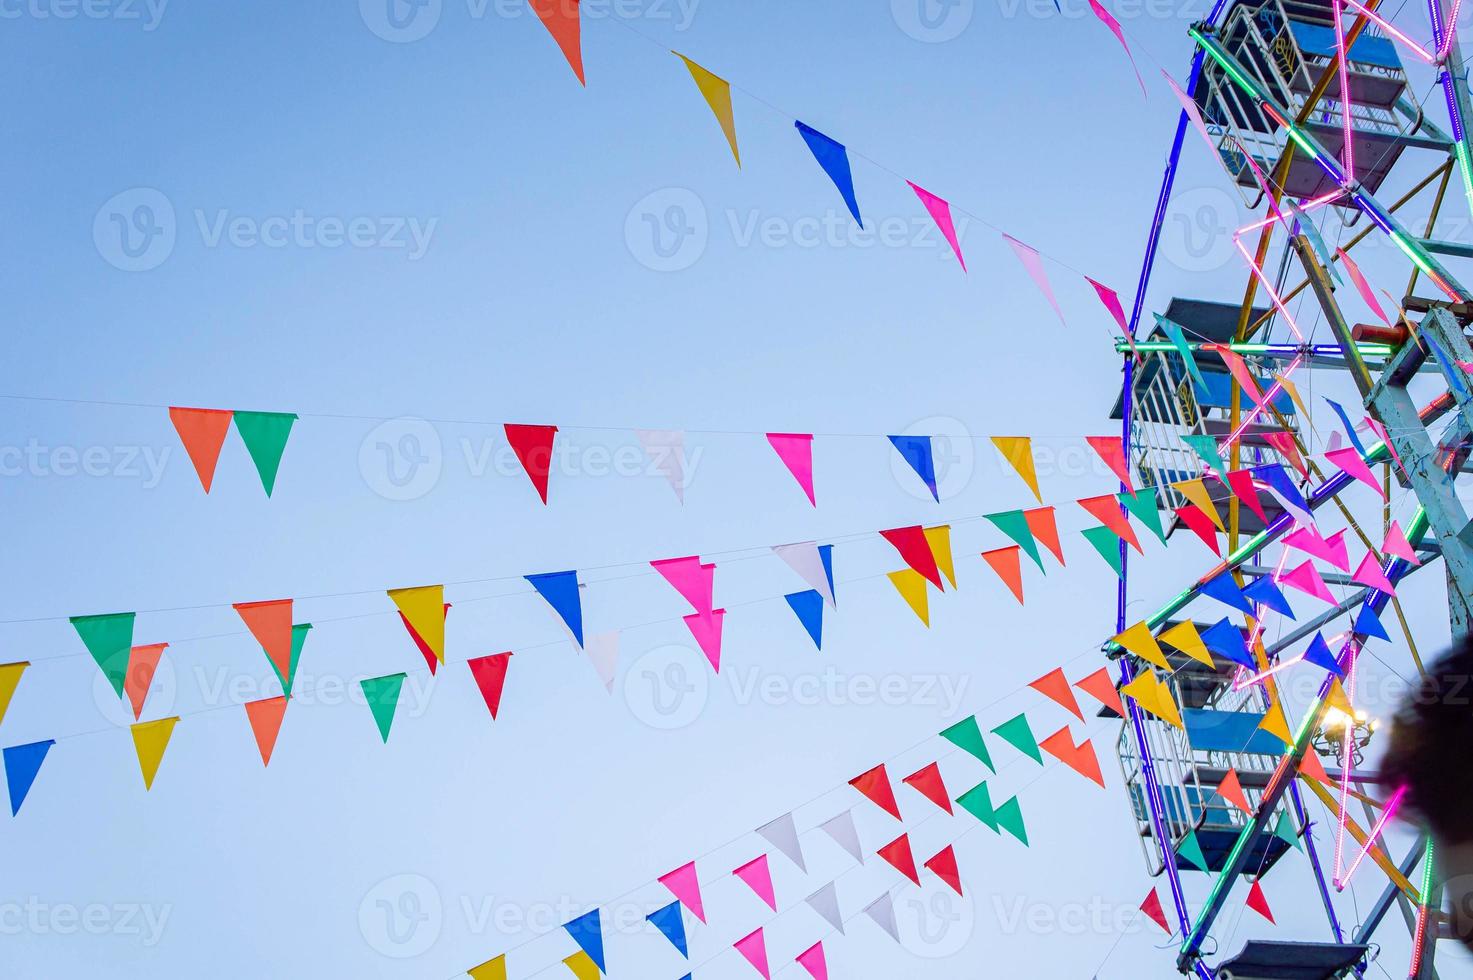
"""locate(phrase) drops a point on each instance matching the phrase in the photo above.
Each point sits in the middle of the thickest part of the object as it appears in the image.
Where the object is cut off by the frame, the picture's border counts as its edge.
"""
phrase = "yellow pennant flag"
(1276, 724)
(1019, 453)
(9, 678)
(1184, 637)
(939, 538)
(1293, 391)
(424, 607)
(1139, 641)
(489, 970)
(1153, 696)
(717, 92)
(150, 738)
(582, 966)
(911, 585)
(1336, 698)
(1196, 492)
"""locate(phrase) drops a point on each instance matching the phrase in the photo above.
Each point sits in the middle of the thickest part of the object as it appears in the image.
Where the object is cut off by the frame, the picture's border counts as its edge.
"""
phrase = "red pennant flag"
(533, 446)
(1055, 685)
(1045, 529)
(1100, 687)
(875, 784)
(265, 717)
(1231, 790)
(1106, 509)
(928, 783)
(1312, 767)
(916, 551)
(1200, 524)
(270, 622)
(1112, 451)
(203, 431)
(1152, 907)
(1241, 482)
(1258, 903)
(1284, 443)
(1080, 758)
(1008, 566)
(143, 661)
(424, 648)
(943, 866)
(560, 17)
(490, 674)
(897, 854)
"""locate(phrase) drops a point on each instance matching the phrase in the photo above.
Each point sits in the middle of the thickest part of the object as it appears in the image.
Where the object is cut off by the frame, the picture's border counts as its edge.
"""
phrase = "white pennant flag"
(825, 902)
(603, 653)
(666, 450)
(783, 835)
(842, 830)
(804, 559)
(882, 911)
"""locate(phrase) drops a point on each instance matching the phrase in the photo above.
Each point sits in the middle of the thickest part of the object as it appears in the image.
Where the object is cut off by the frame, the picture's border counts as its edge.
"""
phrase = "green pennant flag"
(109, 638)
(1144, 507)
(1107, 544)
(382, 694)
(265, 435)
(1014, 524)
(299, 638)
(1172, 329)
(1017, 733)
(1191, 849)
(967, 736)
(978, 802)
(1206, 447)
(1010, 818)
(1284, 831)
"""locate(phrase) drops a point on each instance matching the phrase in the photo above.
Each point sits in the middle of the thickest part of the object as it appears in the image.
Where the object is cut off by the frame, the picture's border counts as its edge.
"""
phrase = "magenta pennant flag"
(812, 960)
(1241, 482)
(1330, 549)
(1385, 437)
(759, 878)
(1034, 264)
(690, 578)
(684, 885)
(941, 214)
(1368, 572)
(754, 948)
(1189, 106)
(1349, 460)
(1108, 19)
(1241, 374)
(706, 628)
(795, 449)
(1111, 299)
(1361, 286)
(1398, 546)
(1307, 579)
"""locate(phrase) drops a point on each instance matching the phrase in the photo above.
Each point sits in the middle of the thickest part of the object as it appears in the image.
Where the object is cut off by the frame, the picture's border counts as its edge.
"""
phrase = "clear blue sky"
(523, 249)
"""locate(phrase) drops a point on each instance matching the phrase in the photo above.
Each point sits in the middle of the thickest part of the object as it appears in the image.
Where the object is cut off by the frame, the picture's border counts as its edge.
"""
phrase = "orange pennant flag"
(1018, 450)
(1231, 790)
(203, 431)
(560, 17)
(1106, 509)
(265, 717)
(143, 661)
(1111, 450)
(1055, 686)
(1080, 758)
(1311, 766)
(1100, 687)
(1045, 529)
(1008, 566)
(270, 622)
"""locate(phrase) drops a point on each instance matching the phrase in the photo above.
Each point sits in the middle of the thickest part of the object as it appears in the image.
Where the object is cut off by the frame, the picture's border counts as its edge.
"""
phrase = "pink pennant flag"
(706, 628)
(1368, 572)
(1349, 460)
(1337, 553)
(1385, 437)
(690, 578)
(1240, 373)
(1284, 443)
(684, 885)
(1305, 539)
(795, 449)
(1189, 106)
(1114, 25)
(759, 878)
(812, 960)
(1111, 299)
(941, 214)
(1361, 286)
(1307, 579)
(1034, 264)
(1398, 546)
(754, 948)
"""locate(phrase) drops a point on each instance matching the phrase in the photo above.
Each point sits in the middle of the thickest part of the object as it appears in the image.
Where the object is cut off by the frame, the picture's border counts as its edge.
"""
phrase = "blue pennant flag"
(1360, 448)
(1278, 481)
(1319, 654)
(834, 160)
(1225, 590)
(1367, 623)
(22, 762)
(826, 555)
(560, 589)
(670, 923)
(1266, 593)
(1225, 638)
(916, 450)
(809, 608)
(588, 932)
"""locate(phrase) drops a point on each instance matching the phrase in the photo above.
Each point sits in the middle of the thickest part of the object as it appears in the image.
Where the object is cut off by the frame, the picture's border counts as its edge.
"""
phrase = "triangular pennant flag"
(882, 912)
(978, 802)
(1151, 695)
(202, 431)
(826, 555)
(806, 559)
(1222, 637)
(1191, 849)
(419, 643)
(1284, 831)
(1238, 368)
(423, 609)
(1111, 301)
(782, 834)
(671, 925)
(1033, 263)
(1196, 493)
(1222, 588)
(1008, 566)
(939, 538)
(1355, 440)
(875, 785)
(1308, 540)
(705, 629)
(1231, 790)
(1277, 481)
(265, 435)
(1336, 698)
(1112, 451)
(1318, 653)
(9, 680)
(143, 661)
(1311, 766)
(1106, 509)
(299, 641)
(582, 966)
(22, 762)
(1293, 392)
(940, 213)
(1100, 687)
(1017, 733)
(1081, 758)
(1397, 545)
(1349, 460)
(382, 695)
(1171, 328)
(898, 855)
(490, 674)
(1184, 637)
(666, 450)
(758, 877)
(1362, 286)
(834, 160)
(825, 902)
(1139, 641)
(1055, 686)
(493, 969)
(795, 449)
(587, 931)
(927, 781)
(1045, 529)
(560, 589)
(533, 444)
(1145, 507)
(270, 622)
(603, 653)
(1152, 907)
(1018, 451)
(812, 960)
(1307, 579)
(1241, 483)
(1107, 543)
(843, 832)
(967, 736)
(265, 717)
(1010, 818)
(150, 739)
(912, 588)
(560, 17)
(1265, 593)
(109, 638)
(1200, 524)
(1276, 724)
(1368, 572)
(717, 93)
(916, 451)
(1368, 624)
(753, 948)
(943, 865)
(690, 578)
(1015, 524)
(1206, 447)
(1258, 903)
(686, 887)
